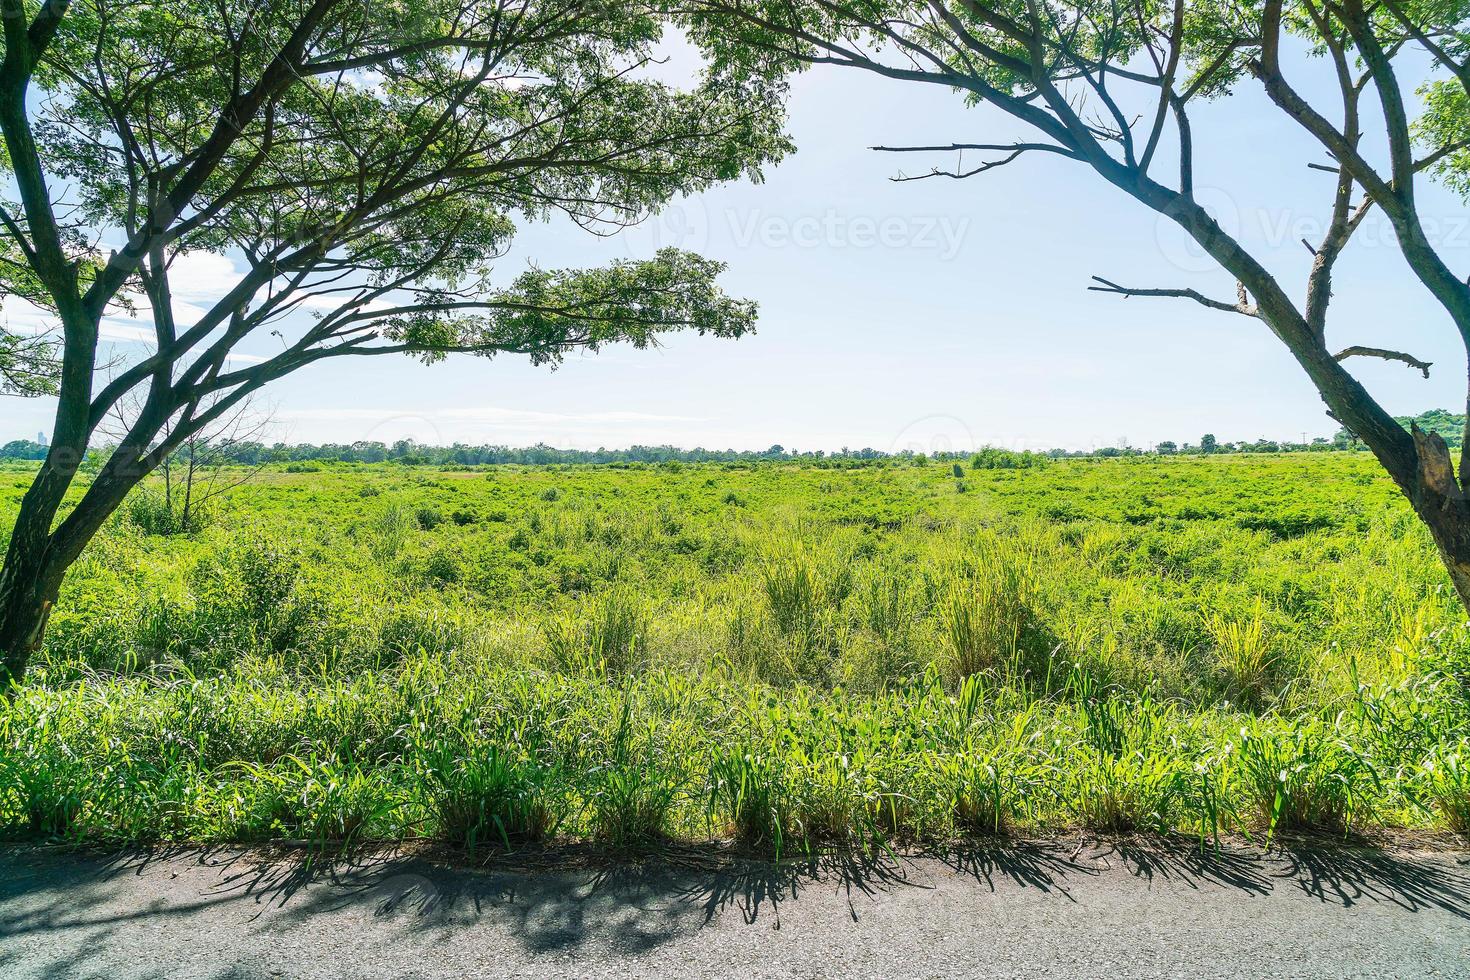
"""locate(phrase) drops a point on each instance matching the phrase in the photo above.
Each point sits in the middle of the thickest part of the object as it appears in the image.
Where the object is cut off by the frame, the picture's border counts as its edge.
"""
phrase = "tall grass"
(1246, 654)
(986, 617)
(606, 634)
(850, 658)
(490, 759)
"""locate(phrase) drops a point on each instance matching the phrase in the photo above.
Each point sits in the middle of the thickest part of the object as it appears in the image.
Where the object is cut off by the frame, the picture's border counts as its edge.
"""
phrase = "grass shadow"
(560, 899)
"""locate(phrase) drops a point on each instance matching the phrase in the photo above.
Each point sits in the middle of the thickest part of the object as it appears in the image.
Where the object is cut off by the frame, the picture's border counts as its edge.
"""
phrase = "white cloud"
(126, 330)
(482, 415)
(22, 317)
(202, 276)
(485, 425)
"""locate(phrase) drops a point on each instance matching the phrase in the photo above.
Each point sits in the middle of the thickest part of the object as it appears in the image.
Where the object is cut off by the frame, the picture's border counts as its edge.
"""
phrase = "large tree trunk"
(1439, 500)
(29, 578)
(28, 589)
(39, 557)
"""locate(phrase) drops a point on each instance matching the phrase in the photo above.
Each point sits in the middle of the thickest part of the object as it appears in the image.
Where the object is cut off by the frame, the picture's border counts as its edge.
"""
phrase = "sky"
(925, 315)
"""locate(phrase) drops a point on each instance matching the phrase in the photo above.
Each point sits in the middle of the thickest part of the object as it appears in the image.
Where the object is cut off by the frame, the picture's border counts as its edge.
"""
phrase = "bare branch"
(1242, 306)
(1016, 150)
(1387, 355)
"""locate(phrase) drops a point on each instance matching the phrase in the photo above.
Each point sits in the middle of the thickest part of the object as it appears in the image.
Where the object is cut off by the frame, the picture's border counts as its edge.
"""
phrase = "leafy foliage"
(28, 365)
(368, 163)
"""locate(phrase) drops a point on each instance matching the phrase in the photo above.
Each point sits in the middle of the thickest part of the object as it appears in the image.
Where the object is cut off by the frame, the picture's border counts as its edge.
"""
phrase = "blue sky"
(924, 315)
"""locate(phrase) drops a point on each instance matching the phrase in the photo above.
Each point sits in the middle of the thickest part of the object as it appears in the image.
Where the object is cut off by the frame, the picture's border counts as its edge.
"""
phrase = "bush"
(1246, 655)
(605, 635)
(481, 794)
(150, 511)
(253, 595)
(1287, 524)
(990, 458)
(986, 619)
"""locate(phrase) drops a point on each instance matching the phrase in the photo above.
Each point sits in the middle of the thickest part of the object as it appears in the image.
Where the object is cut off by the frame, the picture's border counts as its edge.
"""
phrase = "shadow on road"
(559, 901)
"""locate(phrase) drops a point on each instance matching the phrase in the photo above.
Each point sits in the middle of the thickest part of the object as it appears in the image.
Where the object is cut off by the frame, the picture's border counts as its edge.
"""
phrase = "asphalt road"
(1105, 911)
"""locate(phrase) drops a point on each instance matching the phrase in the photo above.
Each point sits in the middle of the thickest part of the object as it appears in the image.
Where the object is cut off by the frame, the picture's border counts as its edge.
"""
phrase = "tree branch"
(1387, 355)
(1243, 306)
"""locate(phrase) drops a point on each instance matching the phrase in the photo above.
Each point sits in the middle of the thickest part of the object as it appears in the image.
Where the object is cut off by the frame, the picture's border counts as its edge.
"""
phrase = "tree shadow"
(558, 900)
(1350, 876)
(1336, 872)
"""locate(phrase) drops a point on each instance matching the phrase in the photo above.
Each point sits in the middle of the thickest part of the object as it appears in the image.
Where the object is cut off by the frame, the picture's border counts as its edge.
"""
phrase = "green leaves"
(1444, 128)
(546, 313)
(28, 365)
(370, 162)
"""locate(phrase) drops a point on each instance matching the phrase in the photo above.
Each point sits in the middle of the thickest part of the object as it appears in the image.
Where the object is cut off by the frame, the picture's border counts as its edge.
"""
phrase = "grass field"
(793, 657)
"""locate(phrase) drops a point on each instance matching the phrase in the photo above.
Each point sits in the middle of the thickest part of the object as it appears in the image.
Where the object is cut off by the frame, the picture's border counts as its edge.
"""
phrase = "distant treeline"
(407, 452)
(414, 454)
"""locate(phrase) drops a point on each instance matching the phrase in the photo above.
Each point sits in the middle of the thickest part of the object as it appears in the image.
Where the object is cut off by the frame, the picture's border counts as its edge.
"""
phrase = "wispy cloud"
(488, 424)
(483, 415)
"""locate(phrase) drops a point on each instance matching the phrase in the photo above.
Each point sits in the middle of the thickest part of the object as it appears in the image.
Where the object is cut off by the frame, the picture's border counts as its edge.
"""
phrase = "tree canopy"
(368, 163)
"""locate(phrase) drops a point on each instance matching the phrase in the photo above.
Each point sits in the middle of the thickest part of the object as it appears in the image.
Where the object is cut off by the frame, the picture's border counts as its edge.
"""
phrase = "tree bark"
(1439, 500)
(28, 590)
(38, 559)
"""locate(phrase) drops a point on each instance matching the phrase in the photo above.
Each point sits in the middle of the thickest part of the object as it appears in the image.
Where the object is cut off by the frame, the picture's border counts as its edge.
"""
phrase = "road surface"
(1106, 910)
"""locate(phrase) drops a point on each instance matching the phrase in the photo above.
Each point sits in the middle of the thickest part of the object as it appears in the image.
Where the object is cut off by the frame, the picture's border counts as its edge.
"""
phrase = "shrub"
(605, 635)
(985, 618)
(150, 511)
(443, 566)
(1245, 653)
(253, 594)
(1287, 524)
(991, 458)
(479, 793)
(389, 530)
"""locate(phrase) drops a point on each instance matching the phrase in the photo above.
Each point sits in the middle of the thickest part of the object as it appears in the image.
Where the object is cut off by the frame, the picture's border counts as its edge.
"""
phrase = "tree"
(365, 161)
(1166, 448)
(1207, 443)
(201, 471)
(1109, 85)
